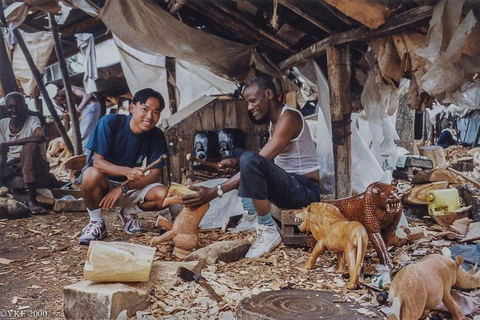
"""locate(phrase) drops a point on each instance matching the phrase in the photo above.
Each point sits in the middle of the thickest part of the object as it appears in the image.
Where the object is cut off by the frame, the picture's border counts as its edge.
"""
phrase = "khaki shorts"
(132, 197)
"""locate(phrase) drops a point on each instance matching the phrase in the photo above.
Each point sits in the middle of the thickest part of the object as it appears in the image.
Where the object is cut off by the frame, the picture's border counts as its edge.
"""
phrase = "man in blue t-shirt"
(119, 145)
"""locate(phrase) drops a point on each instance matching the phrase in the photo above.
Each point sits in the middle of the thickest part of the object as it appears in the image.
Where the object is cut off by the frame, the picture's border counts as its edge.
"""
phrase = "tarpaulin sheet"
(148, 71)
(146, 26)
(40, 46)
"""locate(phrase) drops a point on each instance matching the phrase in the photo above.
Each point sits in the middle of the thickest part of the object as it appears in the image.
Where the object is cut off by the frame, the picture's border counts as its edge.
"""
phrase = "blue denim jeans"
(261, 179)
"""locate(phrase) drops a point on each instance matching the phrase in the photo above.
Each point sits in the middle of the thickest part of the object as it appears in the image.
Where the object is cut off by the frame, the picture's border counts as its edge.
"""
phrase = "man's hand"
(108, 202)
(203, 195)
(134, 174)
(229, 165)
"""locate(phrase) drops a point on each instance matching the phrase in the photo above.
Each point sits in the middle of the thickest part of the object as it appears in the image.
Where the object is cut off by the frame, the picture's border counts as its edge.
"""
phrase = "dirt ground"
(39, 255)
(46, 256)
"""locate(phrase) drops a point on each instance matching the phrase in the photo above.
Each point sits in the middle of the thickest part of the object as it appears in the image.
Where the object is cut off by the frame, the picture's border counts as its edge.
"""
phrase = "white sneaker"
(248, 222)
(93, 231)
(266, 240)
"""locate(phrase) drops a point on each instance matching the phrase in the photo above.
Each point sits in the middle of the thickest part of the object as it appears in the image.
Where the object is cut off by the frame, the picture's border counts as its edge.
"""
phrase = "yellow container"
(442, 201)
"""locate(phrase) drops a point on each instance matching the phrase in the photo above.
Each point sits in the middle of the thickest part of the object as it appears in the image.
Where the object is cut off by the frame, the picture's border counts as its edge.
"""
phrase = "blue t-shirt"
(125, 148)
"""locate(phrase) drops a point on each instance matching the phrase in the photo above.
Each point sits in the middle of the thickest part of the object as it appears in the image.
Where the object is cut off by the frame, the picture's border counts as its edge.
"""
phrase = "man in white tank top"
(290, 182)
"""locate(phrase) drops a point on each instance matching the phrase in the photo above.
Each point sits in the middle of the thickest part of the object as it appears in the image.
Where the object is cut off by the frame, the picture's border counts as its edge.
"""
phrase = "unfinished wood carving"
(420, 287)
(184, 231)
(379, 209)
(347, 239)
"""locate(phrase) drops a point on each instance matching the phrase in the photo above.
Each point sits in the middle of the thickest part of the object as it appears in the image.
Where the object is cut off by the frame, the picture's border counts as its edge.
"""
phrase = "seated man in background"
(119, 145)
(285, 171)
(22, 149)
(87, 106)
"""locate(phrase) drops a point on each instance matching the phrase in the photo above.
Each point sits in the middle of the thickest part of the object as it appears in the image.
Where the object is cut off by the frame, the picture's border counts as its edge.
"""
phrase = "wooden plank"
(392, 26)
(289, 4)
(240, 17)
(236, 26)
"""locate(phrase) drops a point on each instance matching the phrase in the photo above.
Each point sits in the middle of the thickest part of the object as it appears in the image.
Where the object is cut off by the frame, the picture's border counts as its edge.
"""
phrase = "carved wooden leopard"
(379, 209)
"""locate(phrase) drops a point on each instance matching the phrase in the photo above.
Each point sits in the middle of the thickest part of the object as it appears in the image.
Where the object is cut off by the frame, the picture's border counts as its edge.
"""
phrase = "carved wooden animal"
(379, 209)
(420, 287)
(184, 231)
(347, 239)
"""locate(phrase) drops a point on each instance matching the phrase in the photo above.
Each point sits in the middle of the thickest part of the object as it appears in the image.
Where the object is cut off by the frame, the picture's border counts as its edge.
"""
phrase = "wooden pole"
(339, 75)
(7, 77)
(171, 80)
(76, 135)
(41, 86)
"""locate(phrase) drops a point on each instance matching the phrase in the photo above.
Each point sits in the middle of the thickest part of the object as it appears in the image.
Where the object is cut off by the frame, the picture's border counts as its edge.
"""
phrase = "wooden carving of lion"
(347, 239)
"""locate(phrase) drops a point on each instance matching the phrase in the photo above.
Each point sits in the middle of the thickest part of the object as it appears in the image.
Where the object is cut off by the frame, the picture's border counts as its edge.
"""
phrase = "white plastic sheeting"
(447, 37)
(221, 209)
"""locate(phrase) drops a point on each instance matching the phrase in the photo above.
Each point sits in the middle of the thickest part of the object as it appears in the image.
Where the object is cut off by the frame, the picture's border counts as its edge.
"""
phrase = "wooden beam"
(240, 29)
(79, 26)
(288, 4)
(339, 75)
(76, 135)
(338, 14)
(41, 86)
(392, 26)
(240, 17)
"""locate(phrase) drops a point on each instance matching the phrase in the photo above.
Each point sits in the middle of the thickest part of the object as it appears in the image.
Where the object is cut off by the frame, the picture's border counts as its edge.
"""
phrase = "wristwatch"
(125, 189)
(219, 191)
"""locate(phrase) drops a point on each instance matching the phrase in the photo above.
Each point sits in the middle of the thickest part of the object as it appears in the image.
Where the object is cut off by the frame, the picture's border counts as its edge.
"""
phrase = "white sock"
(95, 215)
(132, 210)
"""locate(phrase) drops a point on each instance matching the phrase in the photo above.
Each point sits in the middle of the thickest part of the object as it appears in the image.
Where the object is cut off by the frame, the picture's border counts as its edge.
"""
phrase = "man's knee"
(157, 195)
(93, 176)
(250, 159)
(29, 150)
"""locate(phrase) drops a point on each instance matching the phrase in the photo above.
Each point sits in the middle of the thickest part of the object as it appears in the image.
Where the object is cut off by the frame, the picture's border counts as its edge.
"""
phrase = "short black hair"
(15, 95)
(143, 95)
(263, 82)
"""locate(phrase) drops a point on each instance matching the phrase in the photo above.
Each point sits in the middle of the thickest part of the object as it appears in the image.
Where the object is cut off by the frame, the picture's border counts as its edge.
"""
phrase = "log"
(118, 262)
(436, 175)
(434, 153)
(339, 74)
(418, 194)
(295, 304)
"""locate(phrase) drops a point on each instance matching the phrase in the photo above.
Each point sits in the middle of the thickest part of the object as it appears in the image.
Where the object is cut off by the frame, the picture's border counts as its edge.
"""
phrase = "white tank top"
(299, 156)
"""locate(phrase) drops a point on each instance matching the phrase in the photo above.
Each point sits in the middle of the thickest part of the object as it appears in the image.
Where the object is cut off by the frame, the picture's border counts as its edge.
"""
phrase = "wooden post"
(7, 77)
(405, 125)
(37, 101)
(339, 74)
(41, 86)
(76, 135)
(171, 81)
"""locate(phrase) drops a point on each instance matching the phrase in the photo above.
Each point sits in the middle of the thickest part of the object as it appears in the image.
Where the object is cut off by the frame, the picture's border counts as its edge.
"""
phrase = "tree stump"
(295, 304)
(434, 153)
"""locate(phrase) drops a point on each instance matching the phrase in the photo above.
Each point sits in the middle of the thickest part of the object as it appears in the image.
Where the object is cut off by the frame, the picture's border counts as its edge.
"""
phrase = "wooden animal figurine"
(347, 239)
(420, 287)
(184, 230)
(379, 210)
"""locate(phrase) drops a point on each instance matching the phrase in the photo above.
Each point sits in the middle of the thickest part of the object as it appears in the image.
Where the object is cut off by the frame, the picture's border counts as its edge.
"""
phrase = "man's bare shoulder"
(291, 117)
